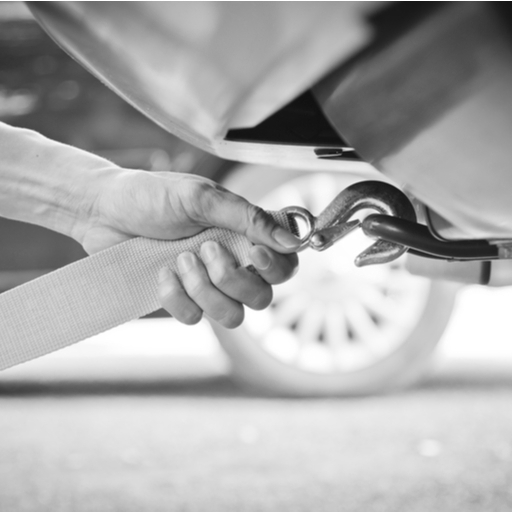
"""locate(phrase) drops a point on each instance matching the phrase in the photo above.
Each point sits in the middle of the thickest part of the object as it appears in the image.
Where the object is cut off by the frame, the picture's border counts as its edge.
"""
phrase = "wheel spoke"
(366, 333)
(312, 353)
(384, 308)
(290, 309)
(309, 327)
(336, 336)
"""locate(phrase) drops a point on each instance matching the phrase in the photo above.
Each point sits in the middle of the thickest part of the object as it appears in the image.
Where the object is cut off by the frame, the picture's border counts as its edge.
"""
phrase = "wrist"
(48, 183)
(75, 209)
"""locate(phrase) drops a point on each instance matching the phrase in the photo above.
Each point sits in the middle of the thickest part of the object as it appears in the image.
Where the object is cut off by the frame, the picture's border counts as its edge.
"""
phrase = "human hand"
(88, 198)
(171, 206)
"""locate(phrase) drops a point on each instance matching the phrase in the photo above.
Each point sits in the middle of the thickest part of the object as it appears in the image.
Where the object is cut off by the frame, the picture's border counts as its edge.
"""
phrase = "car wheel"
(333, 329)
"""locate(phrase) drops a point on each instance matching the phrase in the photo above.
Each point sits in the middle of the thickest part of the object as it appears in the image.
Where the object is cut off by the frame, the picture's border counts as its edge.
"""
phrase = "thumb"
(225, 209)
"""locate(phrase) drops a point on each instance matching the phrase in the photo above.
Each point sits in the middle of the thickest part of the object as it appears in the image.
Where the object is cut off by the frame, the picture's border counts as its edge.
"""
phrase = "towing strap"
(99, 292)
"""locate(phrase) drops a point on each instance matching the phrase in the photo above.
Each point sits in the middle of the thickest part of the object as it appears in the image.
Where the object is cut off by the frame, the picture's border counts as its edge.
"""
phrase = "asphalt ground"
(181, 437)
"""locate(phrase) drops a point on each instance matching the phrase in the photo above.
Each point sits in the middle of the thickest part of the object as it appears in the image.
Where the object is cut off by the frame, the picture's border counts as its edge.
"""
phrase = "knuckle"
(194, 284)
(202, 195)
(262, 299)
(278, 278)
(194, 186)
(258, 218)
(167, 294)
(221, 278)
(285, 270)
(232, 318)
(202, 189)
(182, 309)
(191, 317)
(174, 304)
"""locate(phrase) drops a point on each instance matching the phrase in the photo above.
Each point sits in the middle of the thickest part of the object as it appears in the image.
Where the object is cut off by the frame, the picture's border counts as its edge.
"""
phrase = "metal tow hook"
(337, 220)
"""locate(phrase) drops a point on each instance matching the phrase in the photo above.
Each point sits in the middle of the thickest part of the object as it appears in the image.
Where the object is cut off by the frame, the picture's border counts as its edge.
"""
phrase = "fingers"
(175, 300)
(259, 227)
(273, 267)
(212, 205)
(239, 283)
(219, 288)
(196, 292)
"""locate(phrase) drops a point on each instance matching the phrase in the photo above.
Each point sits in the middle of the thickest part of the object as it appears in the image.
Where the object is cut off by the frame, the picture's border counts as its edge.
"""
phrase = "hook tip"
(380, 252)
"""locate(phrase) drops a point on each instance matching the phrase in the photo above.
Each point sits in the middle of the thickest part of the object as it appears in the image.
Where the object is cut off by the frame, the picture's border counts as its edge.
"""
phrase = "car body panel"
(430, 105)
(432, 109)
(201, 68)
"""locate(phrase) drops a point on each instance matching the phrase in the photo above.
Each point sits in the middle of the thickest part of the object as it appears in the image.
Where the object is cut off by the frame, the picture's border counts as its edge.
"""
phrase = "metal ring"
(309, 221)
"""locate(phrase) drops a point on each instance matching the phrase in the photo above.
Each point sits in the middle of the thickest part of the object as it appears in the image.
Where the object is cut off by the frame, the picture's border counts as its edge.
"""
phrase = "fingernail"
(260, 258)
(209, 251)
(286, 239)
(186, 261)
(163, 274)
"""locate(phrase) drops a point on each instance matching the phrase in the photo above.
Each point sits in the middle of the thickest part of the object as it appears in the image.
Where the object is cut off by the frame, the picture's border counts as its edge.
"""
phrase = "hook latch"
(339, 218)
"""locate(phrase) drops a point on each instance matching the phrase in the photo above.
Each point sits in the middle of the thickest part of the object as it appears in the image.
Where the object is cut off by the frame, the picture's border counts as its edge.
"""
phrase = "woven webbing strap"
(97, 293)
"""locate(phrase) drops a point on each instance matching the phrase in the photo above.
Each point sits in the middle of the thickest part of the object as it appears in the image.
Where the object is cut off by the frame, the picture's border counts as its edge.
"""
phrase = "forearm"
(47, 183)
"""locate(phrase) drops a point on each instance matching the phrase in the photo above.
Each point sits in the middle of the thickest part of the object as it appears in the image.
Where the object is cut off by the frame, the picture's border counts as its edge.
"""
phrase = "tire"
(334, 329)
